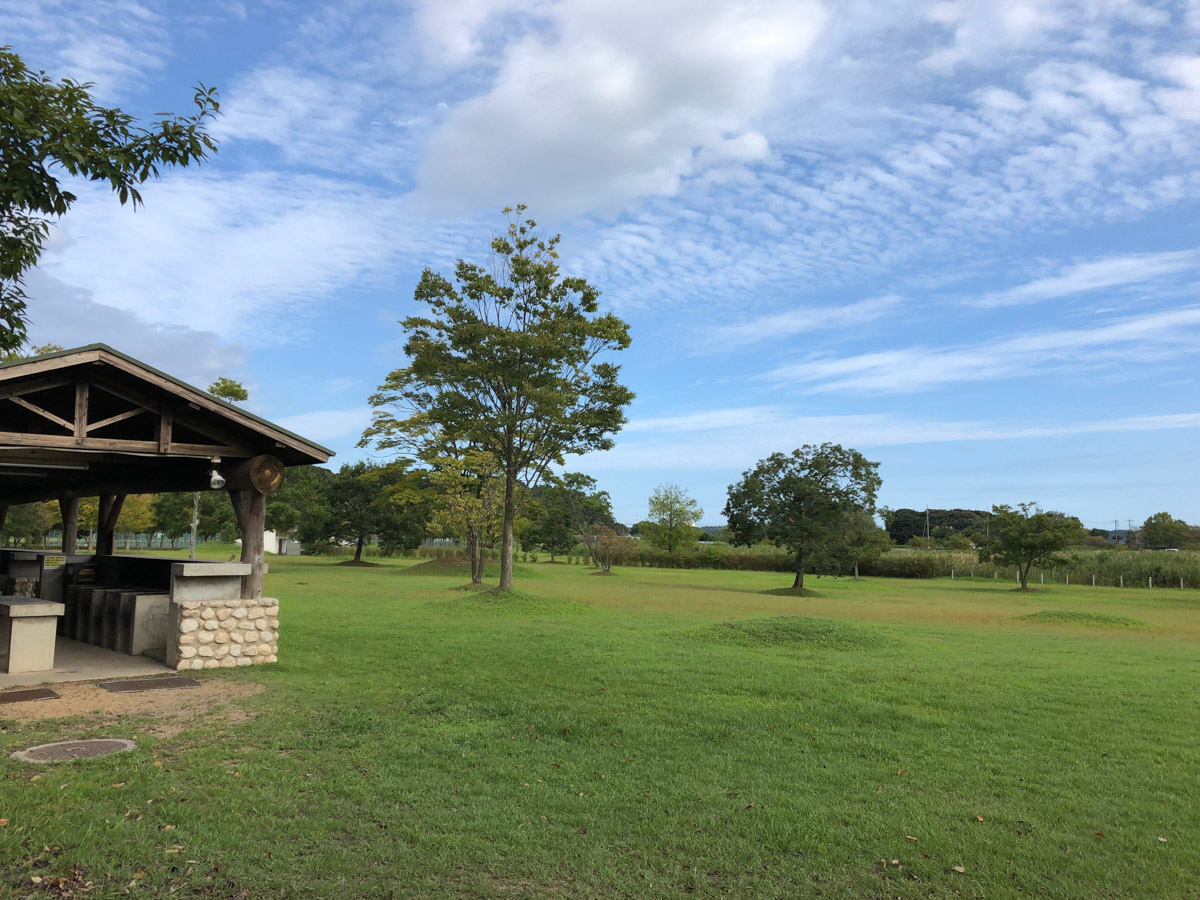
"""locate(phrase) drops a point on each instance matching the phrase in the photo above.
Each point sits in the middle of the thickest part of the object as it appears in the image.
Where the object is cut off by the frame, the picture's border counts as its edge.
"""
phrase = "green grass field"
(654, 733)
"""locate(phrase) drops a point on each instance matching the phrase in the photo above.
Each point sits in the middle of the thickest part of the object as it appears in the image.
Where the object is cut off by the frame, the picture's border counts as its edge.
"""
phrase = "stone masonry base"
(215, 634)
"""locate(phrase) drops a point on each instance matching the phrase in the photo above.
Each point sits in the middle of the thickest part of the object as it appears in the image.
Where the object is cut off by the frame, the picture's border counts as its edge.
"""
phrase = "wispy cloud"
(802, 320)
(1149, 338)
(1095, 275)
(736, 447)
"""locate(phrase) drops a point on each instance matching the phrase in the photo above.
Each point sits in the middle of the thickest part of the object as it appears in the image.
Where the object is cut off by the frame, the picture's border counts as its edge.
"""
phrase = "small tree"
(862, 541)
(468, 492)
(506, 361)
(1026, 536)
(607, 546)
(551, 524)
(47, 127)
(804, 501)
(673, 517)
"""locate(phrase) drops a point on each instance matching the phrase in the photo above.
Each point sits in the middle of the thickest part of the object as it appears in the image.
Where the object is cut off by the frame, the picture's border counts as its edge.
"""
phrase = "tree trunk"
(506, 544)
(69, 506)
(1023, 573)
(358, 550)
(480, 559)
(195, 525)
(856, 570)
(472, 556)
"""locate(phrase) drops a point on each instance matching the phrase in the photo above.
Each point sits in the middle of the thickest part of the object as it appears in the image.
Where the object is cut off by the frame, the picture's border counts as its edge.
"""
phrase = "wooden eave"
(93, 420)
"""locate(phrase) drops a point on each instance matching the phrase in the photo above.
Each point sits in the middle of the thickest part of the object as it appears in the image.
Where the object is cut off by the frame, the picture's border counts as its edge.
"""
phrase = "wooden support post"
(250, 507)
(4, 515)
(106, 522)
(69, 506)
(81, 410)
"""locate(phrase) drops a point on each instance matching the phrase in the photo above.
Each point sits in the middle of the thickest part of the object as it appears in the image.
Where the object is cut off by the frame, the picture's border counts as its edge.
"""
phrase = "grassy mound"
(459, 567)
(792, 631)
(1087, 619)
(359, 564)
(792, 592)
(490, 600)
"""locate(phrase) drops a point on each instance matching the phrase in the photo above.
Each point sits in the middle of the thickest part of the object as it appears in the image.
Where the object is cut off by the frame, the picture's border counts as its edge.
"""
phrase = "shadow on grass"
(791, 592)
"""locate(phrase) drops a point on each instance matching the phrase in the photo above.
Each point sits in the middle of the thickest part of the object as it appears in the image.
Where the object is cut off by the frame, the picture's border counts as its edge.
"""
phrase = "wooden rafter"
(113, 420)
(45, 414)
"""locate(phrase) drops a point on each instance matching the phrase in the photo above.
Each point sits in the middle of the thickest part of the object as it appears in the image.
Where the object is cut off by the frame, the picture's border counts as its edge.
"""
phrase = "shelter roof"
(93, 420)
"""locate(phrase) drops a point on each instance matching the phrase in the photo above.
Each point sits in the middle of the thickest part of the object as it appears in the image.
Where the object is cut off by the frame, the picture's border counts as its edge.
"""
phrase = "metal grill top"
(64, 751)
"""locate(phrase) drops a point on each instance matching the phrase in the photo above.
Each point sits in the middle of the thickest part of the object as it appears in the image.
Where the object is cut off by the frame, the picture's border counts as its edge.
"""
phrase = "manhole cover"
(136, 685)
(63, 751)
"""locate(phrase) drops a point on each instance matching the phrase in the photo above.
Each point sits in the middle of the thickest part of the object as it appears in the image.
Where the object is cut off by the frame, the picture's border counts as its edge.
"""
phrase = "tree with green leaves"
(1163, 531)
(1025, 536)
(507, 361)
(363, 500)
(7, 356)
(469, 491)
(671, 524)
(805, 501)
(300, 508)
(861, 541)
(229, 390)
(48, 128)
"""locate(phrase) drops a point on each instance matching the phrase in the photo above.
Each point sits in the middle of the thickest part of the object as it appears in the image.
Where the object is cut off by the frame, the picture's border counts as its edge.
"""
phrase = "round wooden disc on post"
(266, 474)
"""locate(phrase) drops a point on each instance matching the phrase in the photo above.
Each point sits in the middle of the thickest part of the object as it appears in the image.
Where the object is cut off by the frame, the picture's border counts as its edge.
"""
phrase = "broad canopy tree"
(807, 501)
(48, 129)
(506, 361)
(1025, 537)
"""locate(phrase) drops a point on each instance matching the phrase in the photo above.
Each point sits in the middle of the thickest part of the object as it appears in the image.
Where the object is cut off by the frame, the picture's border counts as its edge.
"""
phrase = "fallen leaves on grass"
(979, 818)
(910, 837)
(1099, 833)
(1161, 840)
(959, 869)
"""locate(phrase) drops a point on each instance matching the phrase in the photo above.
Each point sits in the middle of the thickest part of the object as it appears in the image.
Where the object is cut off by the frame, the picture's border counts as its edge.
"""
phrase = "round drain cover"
(64, 751)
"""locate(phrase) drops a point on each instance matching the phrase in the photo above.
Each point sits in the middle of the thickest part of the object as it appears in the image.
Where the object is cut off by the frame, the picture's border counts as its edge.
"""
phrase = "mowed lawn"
(653, 733)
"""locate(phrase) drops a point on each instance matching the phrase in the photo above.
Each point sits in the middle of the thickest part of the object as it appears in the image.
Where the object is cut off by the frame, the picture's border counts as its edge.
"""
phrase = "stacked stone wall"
(214, 634)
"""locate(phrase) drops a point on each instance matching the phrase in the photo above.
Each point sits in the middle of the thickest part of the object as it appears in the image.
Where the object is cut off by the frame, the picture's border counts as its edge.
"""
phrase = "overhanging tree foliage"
(506, 361)
(48, 128)
(806, 501)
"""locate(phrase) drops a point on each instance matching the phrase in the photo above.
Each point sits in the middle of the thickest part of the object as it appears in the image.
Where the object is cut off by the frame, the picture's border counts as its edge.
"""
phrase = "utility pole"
(927, 521)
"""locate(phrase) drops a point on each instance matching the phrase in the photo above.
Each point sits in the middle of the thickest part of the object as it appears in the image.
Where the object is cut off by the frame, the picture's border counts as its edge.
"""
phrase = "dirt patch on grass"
(792, 631)
(1086, 619)
(172, 711)
(359, 564)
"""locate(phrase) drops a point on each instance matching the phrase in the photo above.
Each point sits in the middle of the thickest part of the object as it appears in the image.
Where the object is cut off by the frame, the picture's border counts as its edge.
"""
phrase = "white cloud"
(71, 317)
(1095, 275)
(612, 101)
(235, 256)
(1151, 338)
(113, 43)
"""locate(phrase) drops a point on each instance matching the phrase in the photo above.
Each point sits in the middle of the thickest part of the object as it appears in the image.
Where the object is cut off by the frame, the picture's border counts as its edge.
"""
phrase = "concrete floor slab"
(74, 661)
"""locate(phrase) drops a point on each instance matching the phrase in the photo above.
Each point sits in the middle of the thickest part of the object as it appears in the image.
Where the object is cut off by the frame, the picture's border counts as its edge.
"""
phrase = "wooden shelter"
(93, 422)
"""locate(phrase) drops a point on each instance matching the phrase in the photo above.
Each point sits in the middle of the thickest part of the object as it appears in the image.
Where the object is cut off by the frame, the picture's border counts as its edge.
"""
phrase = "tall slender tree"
(506, 361)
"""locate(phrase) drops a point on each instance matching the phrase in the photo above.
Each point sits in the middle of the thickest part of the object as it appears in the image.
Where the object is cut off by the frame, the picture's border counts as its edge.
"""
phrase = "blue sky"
(960, 237)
